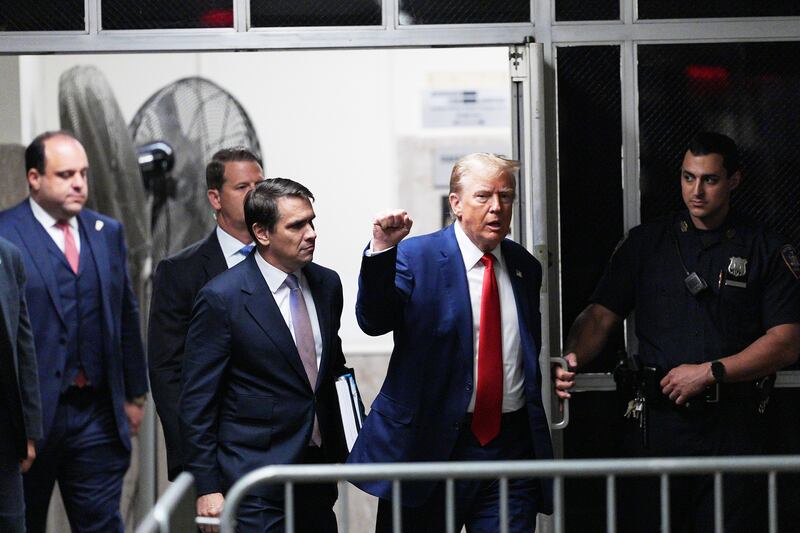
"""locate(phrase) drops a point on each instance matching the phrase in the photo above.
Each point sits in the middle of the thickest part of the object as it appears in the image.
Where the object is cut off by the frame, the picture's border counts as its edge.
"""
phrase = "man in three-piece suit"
(261, 358)
(464, 381)
(230, 175)
(85, 324)
(20, 403)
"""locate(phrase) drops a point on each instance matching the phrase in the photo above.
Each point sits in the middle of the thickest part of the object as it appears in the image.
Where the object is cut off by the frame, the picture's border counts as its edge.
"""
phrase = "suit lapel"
(322, 301)
(528, 343)
(515, 276)
(93, 231)
(261, 305)
(33, 236)
(453, 278)
(214, 260)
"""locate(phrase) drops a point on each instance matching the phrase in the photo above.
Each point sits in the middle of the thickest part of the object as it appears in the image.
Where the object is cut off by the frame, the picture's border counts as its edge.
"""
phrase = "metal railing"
(174, 510)
(610, 469)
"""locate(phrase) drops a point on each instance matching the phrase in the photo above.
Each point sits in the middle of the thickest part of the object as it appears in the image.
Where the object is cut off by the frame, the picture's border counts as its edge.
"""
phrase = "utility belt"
(642, 384)
(647, 380)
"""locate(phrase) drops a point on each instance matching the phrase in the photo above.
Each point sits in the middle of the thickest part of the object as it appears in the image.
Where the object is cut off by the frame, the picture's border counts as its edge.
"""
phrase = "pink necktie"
(73, 258)
(304, 338)
(489, 394)
(70, 248)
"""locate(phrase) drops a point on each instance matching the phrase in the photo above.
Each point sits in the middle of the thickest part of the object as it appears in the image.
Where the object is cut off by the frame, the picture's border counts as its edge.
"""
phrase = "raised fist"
(389, 228)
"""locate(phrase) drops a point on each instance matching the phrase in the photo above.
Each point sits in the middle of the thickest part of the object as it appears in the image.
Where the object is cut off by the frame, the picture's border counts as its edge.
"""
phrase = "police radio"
(694, 283)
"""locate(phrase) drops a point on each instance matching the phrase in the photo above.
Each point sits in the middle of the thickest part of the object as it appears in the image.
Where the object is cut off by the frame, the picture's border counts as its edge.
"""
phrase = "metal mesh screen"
(591, 223)
(284, 13)
(463, 11)
(196, 118)
(42, 15)
(589, 169)
(581, 10)
(166, 14)
(745, 90)
(675, 9)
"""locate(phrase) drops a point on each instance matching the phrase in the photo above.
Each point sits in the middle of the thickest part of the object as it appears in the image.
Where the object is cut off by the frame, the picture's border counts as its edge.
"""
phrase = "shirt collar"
(46, 219)
(275, 277)
(470, 253)
(230, 245)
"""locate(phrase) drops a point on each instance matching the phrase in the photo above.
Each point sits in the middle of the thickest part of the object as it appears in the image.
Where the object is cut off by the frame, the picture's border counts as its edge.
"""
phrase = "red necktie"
(70, 248)
(489, 395)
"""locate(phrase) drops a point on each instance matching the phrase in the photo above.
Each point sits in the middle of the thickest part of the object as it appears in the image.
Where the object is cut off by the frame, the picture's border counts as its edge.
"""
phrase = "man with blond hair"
(463, 382)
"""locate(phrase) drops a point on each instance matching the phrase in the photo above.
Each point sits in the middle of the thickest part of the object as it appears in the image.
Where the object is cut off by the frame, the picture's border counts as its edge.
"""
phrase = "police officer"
(717, 302)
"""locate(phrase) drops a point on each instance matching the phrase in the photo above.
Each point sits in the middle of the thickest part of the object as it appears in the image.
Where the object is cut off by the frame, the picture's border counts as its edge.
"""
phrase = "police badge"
(737, 267)
(789, 254)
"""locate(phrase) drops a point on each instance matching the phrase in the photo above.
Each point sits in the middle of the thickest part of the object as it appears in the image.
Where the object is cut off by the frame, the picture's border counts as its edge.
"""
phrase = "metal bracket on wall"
(516, 56)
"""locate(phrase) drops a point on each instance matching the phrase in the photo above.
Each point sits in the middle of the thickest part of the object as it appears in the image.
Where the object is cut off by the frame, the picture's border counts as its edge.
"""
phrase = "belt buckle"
(712, 393)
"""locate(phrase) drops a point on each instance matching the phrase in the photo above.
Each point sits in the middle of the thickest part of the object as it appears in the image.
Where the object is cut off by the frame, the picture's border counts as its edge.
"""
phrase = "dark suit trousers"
(477, 502)
(12, 504)
(313, 507)
(84, 453)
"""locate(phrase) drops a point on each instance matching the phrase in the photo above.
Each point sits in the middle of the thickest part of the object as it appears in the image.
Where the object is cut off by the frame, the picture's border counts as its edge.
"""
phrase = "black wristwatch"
(718, 371)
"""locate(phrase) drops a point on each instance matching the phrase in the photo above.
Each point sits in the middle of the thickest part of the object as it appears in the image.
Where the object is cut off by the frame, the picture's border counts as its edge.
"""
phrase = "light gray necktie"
(304, 338)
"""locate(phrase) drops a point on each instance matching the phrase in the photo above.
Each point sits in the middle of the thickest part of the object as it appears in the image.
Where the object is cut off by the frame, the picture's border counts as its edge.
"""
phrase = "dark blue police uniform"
(752, 286)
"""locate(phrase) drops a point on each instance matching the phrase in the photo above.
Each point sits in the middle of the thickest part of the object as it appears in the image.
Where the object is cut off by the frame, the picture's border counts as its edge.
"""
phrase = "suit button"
(469, 386)
(62, 341)
(58, 373)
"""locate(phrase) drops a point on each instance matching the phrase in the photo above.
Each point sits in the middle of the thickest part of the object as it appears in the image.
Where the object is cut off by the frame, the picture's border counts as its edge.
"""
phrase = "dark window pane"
(166, 14)
(590, 174)
(583, 10)
(42, 15)
(592, 222)
(463, 11)
(683, 9)
(745, 90)
(283, 13)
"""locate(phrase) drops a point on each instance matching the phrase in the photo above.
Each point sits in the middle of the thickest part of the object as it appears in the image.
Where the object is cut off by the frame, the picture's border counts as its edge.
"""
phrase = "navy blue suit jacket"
(419, 291)
(176, 283)
(19, 380)
(125, 364)
(245, 399)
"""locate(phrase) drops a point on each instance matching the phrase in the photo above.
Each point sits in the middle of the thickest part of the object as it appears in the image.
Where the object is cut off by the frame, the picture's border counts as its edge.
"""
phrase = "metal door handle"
(560, 361)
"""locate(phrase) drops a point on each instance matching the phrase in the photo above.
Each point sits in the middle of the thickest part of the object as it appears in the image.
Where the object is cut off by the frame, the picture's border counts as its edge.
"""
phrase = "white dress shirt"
(513, 377)
(49, 224)
(230, 247)
(276, 279)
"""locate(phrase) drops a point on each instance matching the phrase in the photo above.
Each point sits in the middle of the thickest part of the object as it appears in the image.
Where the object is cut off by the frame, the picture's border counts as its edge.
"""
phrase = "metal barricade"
(174, 510)
(611, 469)
(176, 506)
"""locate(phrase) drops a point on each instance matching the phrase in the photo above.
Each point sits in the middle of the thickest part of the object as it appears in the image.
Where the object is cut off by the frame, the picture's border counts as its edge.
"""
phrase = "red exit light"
(706, 73)
(217, 18)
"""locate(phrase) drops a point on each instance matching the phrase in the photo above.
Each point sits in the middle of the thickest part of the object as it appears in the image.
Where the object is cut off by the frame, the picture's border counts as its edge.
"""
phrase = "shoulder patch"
(790, 257)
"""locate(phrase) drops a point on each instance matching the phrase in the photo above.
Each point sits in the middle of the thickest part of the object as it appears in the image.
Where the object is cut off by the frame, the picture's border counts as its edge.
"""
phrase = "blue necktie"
(246, 249)
(304, 338)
